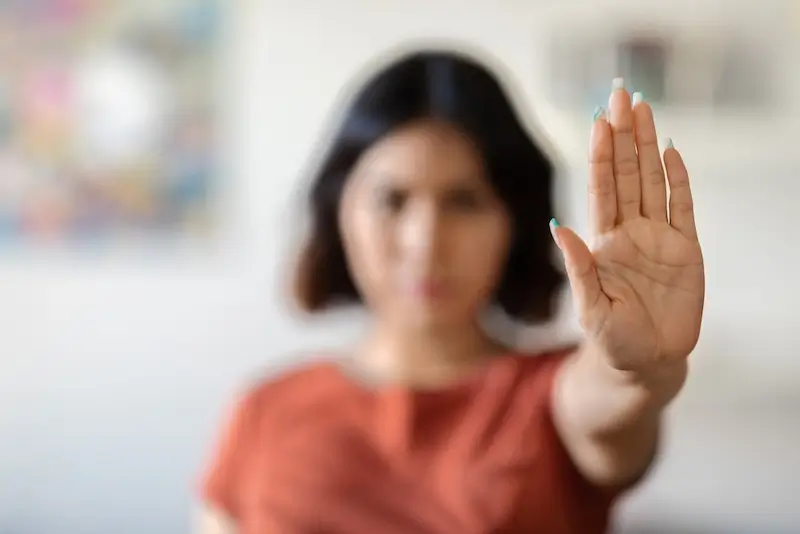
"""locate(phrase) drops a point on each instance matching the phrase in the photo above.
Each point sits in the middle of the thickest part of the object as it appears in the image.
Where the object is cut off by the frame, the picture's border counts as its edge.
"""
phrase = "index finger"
(602, 188)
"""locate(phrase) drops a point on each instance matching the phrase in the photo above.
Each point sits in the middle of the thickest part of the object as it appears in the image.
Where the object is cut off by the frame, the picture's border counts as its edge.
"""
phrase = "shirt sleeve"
(221, 481)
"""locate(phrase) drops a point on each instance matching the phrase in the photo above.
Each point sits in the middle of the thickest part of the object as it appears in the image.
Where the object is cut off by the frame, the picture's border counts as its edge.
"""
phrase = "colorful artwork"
(108, 119)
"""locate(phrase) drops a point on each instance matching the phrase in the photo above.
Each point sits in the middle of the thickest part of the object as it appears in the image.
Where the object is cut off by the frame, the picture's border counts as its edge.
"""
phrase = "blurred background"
(152, 158)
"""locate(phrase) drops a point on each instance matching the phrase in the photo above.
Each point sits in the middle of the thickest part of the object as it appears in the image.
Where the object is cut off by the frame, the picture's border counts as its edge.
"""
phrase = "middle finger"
(626, 162)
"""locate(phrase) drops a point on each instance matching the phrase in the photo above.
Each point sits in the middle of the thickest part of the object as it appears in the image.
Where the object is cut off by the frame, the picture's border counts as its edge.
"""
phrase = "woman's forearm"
(608, 419)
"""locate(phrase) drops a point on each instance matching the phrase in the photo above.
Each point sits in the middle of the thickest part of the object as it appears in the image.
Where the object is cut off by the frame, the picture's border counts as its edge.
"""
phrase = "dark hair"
(452, 88)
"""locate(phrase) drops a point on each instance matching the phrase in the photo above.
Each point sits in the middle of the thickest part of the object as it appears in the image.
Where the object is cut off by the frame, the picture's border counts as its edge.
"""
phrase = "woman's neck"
(425, 358)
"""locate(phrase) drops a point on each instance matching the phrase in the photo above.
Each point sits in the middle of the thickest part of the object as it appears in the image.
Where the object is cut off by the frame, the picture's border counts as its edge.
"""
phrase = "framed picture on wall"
(109, 120)
(725, 70)
(643, 62)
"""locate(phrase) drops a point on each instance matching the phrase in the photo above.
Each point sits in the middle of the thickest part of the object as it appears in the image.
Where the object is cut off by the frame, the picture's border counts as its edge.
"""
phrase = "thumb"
(581, 271)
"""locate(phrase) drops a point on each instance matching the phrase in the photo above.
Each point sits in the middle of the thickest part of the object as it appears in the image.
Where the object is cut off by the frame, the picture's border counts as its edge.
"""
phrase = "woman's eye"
(393, 200)
(463, 200)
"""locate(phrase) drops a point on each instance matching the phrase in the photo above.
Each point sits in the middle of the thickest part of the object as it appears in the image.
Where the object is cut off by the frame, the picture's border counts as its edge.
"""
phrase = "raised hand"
(639, 287)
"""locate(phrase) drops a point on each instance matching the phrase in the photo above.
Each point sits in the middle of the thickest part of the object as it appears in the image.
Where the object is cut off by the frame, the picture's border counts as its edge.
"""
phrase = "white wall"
(113, 372)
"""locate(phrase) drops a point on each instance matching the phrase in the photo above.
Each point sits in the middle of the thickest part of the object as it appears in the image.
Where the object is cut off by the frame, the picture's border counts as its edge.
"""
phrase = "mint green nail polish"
(669, 143)
(637, 97)
(554, 223)
(599, 112)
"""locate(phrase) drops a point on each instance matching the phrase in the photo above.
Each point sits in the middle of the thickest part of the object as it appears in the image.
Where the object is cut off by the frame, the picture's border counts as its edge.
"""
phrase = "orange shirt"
(315, 452)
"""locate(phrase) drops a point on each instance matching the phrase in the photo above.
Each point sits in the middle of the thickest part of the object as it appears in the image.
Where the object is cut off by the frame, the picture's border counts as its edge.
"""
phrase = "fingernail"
(599, 113)
(617, 83)
(553, 225)
(668, 142)
(637, 97)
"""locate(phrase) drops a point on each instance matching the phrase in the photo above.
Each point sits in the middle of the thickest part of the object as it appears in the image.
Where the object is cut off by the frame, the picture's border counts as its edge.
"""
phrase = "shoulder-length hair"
(456, 89)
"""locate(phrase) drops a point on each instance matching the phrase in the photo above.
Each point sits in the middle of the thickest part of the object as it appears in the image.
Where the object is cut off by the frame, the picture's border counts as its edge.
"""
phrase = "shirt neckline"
(343, 369)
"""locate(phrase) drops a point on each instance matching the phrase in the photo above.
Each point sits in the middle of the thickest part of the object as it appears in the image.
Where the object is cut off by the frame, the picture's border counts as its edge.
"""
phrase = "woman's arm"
(639, 292)
(211, 520)
(609, 420)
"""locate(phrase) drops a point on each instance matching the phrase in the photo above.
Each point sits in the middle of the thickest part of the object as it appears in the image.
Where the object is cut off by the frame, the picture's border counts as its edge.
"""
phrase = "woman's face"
(425, 236)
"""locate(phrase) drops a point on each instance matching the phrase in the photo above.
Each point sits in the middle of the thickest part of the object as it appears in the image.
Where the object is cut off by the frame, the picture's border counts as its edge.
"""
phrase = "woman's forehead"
(424, 154)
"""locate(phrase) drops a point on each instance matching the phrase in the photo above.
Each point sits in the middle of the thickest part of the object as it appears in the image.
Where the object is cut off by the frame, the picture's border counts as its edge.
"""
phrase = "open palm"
(639, 290)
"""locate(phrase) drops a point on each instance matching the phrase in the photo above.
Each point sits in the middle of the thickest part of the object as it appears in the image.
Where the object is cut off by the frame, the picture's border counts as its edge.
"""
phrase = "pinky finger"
(681, 205)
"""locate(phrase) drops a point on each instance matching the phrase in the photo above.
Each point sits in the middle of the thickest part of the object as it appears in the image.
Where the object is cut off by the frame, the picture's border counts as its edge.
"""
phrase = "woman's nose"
(421, 233)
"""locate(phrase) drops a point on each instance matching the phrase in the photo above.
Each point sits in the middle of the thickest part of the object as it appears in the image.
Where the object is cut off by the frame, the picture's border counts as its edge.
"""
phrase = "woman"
(431, 206)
